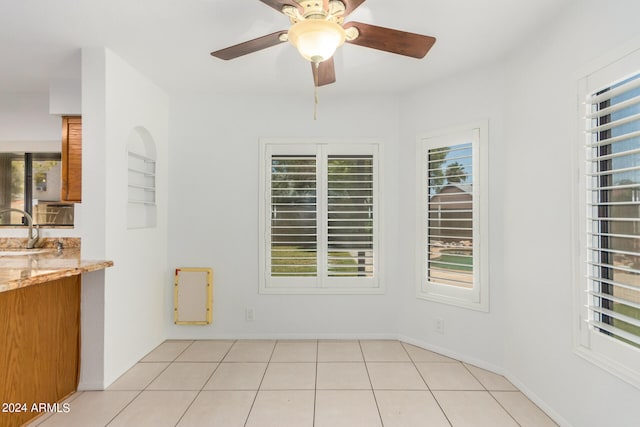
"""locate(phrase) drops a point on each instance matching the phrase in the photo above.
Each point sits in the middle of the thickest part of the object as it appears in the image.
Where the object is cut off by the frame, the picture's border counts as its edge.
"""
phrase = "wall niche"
(141, 198)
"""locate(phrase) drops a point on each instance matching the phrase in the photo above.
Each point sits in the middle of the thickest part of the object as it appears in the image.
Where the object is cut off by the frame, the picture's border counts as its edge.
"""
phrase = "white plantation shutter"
(320, 218)
(453, 218)
(450, 215)
(613, 210)
(294, 212)
(350, 216)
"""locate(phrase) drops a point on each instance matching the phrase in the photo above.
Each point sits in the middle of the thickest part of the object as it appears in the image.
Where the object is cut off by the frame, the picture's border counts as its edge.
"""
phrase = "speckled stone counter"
(40, 265)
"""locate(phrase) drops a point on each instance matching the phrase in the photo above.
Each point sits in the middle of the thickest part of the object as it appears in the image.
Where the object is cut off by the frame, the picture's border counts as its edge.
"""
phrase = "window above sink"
(32, 182)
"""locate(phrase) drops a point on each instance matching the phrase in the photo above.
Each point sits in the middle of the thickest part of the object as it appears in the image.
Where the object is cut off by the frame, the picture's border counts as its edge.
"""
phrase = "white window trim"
(478, 297)
(343, 146)
(608, 353)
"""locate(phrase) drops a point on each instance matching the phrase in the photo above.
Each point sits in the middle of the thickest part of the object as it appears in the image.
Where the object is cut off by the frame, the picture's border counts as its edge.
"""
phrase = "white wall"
(541, 130)
(214, 211)
(116, 99)
(24, 117)
(530, 99)
(471, 335)
(90, 219)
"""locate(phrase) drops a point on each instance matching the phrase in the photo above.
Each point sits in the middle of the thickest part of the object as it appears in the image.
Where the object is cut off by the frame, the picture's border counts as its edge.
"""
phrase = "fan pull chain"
(315, 91)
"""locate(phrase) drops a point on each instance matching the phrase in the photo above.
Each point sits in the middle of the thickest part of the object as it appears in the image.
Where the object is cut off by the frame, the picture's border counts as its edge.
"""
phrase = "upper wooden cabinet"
(71, 159)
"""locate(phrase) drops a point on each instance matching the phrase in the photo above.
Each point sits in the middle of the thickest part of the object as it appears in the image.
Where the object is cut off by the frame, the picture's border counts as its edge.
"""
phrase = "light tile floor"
(301, 383)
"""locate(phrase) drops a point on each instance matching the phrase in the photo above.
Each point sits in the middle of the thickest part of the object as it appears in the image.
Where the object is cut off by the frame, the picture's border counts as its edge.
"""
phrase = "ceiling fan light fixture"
(316, 39)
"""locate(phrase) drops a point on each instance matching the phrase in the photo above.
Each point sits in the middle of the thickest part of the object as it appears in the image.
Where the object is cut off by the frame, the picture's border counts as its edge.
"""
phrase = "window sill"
(609, 364)
(462, 303)
(321, 291)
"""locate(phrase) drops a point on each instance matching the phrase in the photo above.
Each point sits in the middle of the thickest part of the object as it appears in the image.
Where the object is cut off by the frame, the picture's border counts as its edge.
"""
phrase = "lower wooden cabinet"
(39, 349)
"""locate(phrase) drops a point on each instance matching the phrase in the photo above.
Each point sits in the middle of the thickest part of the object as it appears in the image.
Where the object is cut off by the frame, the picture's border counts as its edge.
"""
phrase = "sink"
(22, 252)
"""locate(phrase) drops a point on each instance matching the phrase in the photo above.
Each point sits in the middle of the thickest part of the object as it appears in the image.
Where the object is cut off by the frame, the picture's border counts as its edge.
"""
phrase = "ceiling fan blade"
(277, 4)
(250, 46)
(351, 5)
(389, 40)
(325, 73)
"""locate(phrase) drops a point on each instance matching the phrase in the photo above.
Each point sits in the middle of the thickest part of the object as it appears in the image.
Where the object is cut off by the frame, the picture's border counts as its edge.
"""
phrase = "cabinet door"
(72, 159)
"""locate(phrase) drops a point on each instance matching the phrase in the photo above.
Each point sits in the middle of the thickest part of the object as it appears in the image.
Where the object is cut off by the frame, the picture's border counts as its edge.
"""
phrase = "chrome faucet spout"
(31, 238)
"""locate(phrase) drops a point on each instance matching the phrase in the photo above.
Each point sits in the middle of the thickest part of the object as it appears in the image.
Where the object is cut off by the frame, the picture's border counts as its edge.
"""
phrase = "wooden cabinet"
(39, 348)
(71, 159)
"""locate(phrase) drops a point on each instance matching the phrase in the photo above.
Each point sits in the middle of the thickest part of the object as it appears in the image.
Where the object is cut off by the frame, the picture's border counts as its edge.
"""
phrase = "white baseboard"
(90, 386)
(292, 337)
(538, 401)
(452, 354)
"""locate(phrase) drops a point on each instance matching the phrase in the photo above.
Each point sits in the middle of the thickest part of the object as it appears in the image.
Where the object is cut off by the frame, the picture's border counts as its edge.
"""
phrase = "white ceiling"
(170, 40)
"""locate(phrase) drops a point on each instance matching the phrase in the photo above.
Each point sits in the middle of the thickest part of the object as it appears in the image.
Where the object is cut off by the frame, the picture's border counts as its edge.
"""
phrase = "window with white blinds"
(319, 218)
(607, 275)
(613, 204)
(452, 255)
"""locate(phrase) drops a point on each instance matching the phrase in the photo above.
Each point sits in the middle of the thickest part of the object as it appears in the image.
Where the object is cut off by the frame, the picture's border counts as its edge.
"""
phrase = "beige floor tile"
(92, 408)
(295, 351)
(43, 417)
(237, 376)
(473, 409)
(409, 409)
(384, 351)
(395, 376)
(286, 408)
(167, 351)
(342, 376)
(183, 376)
(346, 408)
(525, 412)
(155, 409)
(205, 351)
(219, 409)
(339, 351)
(418, 354)
(289, 376)
(250, 351)
(491, 380)
(448, 376)
(327, 383)
(139, 376)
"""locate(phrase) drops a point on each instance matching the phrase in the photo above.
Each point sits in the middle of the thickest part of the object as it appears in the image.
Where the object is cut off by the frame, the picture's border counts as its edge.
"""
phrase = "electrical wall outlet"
(438, 325)
(249, 315)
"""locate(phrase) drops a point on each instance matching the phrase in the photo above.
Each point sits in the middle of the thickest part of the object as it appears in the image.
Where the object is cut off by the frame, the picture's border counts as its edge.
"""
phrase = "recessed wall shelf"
(142, 179)
(141, 183)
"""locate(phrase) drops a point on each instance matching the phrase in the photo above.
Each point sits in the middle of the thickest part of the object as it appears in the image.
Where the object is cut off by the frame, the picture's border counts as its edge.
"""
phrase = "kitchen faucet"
(31, 239)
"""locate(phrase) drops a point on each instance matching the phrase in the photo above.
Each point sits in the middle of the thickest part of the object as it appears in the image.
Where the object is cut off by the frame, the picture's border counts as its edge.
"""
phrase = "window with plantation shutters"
(452, 250)
(613, 201)
(608, 232)
(319, 218)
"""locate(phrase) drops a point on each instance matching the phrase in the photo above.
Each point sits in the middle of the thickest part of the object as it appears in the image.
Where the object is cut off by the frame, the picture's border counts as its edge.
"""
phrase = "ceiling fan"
(318, 29)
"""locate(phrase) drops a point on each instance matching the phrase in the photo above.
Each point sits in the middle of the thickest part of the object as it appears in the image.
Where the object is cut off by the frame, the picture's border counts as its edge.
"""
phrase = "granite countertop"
(20, 268)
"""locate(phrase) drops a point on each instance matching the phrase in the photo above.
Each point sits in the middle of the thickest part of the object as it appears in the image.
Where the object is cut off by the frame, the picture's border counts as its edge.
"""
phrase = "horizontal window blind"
(613, 204)
(294, 213)
(350, 216)
(450, 215)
